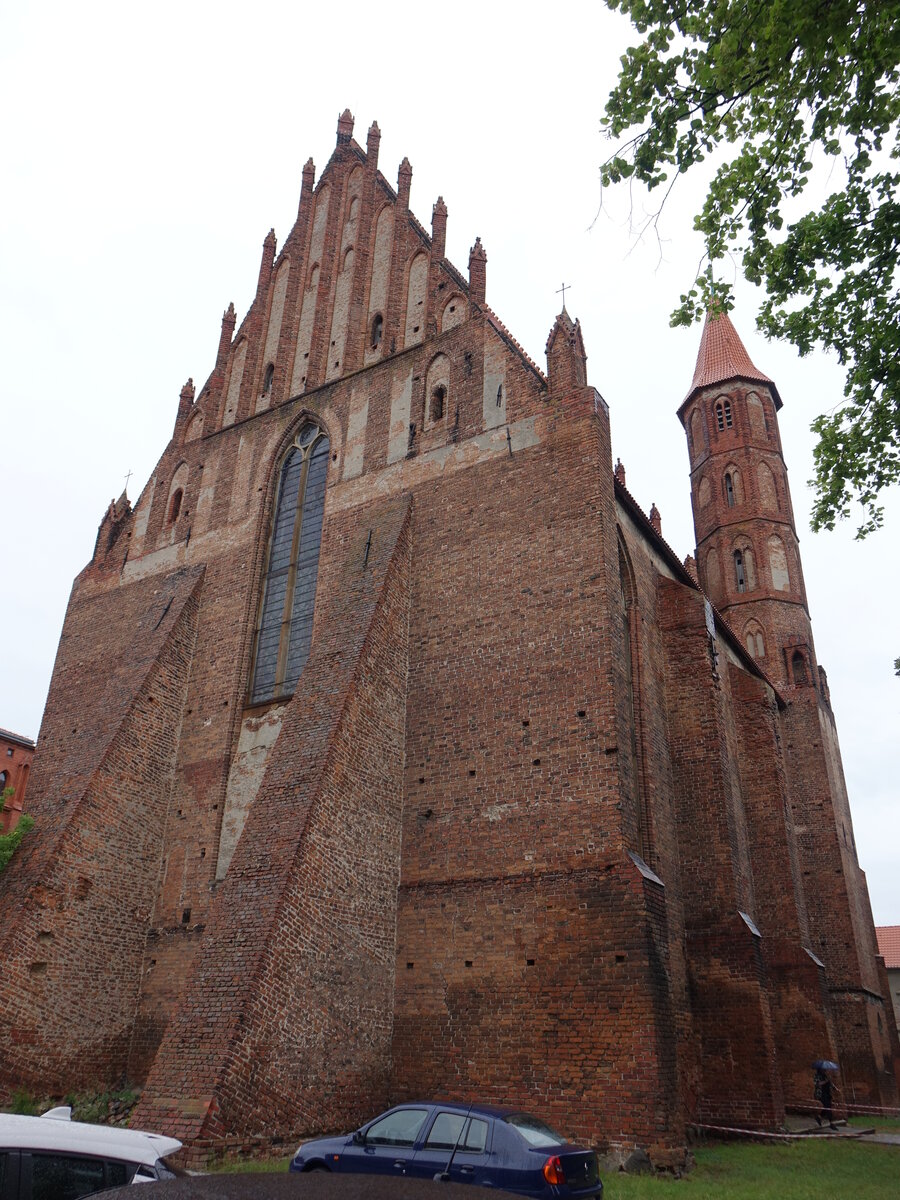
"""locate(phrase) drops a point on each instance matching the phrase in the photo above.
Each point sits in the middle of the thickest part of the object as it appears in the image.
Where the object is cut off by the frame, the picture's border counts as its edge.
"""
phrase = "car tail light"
(553, 1171)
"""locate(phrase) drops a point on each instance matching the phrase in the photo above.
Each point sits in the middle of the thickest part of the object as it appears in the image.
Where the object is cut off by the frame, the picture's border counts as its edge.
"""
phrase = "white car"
(55, 1158)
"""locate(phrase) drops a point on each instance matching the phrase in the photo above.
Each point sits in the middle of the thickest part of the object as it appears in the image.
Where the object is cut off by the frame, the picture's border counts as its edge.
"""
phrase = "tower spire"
(723, 357)
(748, 554)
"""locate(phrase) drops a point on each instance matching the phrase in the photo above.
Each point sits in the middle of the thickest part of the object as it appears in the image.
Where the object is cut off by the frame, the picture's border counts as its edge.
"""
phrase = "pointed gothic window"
(286, 611)
(377, 330)
(739, 571)
(267, 382)
(175, 505)
(729, 491)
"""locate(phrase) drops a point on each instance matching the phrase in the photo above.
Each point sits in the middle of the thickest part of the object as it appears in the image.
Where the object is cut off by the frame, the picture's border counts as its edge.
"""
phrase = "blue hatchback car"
(480, 1144)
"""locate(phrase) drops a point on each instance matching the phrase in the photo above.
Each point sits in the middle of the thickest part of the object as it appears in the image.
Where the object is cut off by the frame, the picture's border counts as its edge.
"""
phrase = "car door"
(386, 1146)
(9, 1175)
(455, 1145)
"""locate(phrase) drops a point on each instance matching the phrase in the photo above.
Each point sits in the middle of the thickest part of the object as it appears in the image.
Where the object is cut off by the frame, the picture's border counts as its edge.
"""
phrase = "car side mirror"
(359, 1138)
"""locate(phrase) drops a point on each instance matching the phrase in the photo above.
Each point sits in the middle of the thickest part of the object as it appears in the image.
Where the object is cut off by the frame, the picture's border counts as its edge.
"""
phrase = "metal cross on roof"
(127, 477)
(565, 287)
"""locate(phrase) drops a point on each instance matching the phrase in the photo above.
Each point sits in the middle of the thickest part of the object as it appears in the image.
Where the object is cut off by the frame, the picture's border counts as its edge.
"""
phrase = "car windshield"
(534, 1131)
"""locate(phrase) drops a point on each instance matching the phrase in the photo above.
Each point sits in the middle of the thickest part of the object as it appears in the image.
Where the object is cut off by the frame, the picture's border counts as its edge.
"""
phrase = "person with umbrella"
(822, 1088)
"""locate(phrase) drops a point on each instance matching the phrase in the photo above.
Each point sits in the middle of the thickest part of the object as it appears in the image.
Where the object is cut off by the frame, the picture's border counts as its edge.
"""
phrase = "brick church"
(391, 752)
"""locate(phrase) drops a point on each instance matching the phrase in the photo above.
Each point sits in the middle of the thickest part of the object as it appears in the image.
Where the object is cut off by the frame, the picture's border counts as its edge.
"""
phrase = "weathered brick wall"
(797, 985)
(78, 900)
(286, 1021)
(837, 903)
(513, 823)
(728, 984)
(426, 879)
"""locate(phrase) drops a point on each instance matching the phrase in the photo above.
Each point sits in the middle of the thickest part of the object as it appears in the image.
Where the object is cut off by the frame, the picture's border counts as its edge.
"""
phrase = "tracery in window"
(286, 611)
(754, 641)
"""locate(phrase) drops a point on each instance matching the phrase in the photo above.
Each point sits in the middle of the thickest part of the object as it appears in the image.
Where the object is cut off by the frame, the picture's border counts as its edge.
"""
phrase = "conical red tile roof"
(722, 357)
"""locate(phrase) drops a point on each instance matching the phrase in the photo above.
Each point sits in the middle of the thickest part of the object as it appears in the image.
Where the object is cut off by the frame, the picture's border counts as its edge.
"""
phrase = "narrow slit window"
(728, 418)
(720, 415)
(729, 491)
(267, 381)
(739, 571)
(377, 331)
(438, 398)
(284, 631)
(175, 505)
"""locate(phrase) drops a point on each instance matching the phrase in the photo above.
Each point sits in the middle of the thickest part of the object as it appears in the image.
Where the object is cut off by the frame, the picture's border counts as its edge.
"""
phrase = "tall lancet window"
(289, 593)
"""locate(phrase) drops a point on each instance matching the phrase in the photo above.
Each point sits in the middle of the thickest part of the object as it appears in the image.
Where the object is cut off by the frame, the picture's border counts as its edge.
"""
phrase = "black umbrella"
(825, 1064)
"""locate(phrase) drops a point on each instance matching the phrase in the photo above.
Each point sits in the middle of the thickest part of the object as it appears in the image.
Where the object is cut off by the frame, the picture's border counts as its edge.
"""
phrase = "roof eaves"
(684, 576)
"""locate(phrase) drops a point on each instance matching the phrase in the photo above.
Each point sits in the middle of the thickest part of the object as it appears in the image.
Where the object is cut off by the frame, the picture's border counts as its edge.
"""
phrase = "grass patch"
(882, 1124)
(802, 1170)
(245, 1166)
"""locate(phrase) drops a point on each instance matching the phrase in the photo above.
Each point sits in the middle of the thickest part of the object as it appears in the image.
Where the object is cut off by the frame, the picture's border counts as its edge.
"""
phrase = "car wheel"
(317, 1167)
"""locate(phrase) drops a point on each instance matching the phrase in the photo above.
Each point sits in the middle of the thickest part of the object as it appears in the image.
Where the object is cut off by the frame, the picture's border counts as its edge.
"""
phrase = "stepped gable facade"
(391, 752)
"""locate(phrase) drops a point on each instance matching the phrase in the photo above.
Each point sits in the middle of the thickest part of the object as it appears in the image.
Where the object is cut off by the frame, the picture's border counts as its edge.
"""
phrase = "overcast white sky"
(147, 152)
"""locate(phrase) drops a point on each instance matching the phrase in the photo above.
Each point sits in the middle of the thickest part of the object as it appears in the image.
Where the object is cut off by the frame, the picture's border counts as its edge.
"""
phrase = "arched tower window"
(724, 419)
(286, 612)
(739, 575)
(729, 491)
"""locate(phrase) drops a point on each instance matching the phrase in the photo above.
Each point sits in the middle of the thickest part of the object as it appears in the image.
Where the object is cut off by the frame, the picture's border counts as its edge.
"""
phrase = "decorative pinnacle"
(309, 173)
(345, 126)
(404, 182)
(477, 252)
(373, 139)
(656, 519)
(187, 392)
(619, 472)
(270, 238)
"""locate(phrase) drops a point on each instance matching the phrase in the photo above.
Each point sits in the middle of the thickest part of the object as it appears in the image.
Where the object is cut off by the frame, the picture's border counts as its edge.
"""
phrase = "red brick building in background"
(888, 938)
(16, 753)
(391, 752)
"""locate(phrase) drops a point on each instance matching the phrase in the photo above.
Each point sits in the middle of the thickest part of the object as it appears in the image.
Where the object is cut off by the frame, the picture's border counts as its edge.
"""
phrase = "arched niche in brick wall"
(759, 426)
(454, 312)
(415, 300)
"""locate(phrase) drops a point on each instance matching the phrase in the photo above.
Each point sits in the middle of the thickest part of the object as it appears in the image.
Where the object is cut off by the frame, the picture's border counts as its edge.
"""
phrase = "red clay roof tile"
(722, 357)
(889, 945)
